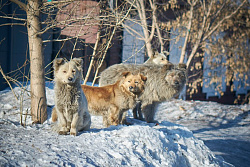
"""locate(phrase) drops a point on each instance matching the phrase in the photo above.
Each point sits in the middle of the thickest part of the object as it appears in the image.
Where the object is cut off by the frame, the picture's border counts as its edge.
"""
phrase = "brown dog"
(112, 101)
(163, 83)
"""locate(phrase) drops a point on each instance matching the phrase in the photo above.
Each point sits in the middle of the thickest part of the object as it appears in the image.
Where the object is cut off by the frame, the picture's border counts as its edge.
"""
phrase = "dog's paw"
(62, 132)
(73, 132)
(68, 129)
(115, 123)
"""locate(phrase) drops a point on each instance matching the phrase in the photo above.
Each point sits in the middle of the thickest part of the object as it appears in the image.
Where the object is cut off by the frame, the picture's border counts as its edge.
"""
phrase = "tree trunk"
(183, 50)
(147, 37)
(37, 78)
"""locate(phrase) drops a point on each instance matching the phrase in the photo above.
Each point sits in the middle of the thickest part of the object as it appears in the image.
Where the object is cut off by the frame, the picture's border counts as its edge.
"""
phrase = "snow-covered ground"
(224, 129)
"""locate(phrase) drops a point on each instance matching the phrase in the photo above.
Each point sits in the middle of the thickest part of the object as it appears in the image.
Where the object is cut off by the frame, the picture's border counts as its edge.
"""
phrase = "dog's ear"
(167, 67)
(144, 78)
(58, 62)
(155, 53)
(126, 73)
(79, 63)
(182, 65)
(166, 53)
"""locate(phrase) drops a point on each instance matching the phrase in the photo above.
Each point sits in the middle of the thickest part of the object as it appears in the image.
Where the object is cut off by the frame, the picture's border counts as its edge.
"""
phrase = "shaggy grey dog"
(71, 108)
(163, 83)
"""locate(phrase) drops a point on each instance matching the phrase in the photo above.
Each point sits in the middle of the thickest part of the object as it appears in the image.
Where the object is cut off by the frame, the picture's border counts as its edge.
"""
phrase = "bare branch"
(20, 4)
(200, 36)
(104, 55)
(13, 24)
(183, 50)
(133, 31)
(154, 19)
(92, 58)
(134, 54)
(59, 40)
(4, 76)
(225, 18)
(109, 42)
(13, 18)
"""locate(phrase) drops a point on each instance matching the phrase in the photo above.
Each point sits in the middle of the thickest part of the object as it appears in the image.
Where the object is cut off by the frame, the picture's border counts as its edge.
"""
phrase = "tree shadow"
(235, 152)
(230, 123)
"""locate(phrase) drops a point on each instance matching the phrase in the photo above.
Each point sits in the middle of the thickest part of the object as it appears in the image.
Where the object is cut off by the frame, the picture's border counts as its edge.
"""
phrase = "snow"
(140, 144)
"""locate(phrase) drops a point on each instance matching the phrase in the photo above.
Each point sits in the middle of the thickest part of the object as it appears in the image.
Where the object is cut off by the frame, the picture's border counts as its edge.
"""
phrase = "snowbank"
(140, 144)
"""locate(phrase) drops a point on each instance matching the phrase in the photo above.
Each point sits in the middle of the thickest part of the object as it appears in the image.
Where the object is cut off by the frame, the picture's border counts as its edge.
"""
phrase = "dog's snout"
(70, 79)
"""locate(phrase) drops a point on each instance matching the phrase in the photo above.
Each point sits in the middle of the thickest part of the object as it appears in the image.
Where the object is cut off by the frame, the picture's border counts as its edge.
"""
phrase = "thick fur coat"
(163, 83)
(157, 58)
(113, 100)
(71, 108)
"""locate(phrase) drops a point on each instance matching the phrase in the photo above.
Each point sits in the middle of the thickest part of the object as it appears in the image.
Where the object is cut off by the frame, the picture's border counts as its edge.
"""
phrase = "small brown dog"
(112, 101)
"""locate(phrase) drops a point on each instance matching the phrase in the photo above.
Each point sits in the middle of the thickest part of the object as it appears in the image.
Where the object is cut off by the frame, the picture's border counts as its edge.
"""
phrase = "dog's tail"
(55, 126)
(54, 115)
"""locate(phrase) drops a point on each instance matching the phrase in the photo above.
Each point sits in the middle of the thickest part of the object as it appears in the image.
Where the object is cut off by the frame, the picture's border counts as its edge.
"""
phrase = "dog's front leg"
(68, 125)
(136, 109)
(106, 119)
(62, 121)
(122, 118)
(114, 115)
(74, 124)
(149, 112)
(138, 106)
(135, 112)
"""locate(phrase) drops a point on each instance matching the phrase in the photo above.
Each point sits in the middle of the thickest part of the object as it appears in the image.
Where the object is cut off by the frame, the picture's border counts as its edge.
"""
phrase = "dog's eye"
(64, 71)
(136, 82)
(129, 81)
(73, 71)
(162, 59)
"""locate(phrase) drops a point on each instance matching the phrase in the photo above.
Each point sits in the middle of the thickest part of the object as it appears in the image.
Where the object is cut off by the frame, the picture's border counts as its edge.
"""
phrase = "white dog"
(71, 109)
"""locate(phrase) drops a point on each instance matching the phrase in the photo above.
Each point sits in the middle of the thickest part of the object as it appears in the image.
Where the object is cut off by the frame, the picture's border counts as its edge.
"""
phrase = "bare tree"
(22, 95)
(145, 16)
(201, 25)
(37, 80)
(212, 19)
(33, 22)
(214, 27)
